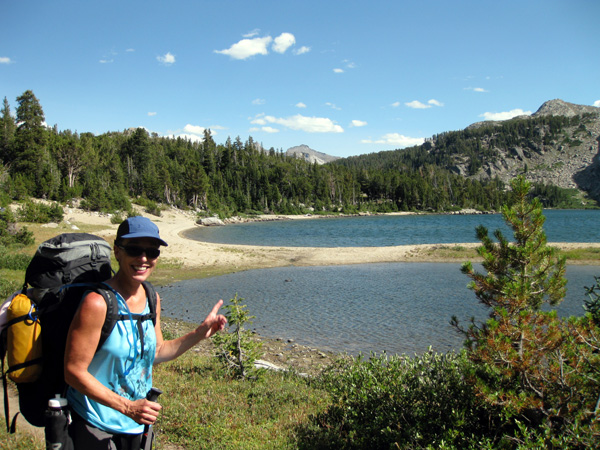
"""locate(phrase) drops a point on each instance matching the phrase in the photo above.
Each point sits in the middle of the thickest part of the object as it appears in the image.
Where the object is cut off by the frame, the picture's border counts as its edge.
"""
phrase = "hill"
(564, 156)
(308, 154)
(557, 145)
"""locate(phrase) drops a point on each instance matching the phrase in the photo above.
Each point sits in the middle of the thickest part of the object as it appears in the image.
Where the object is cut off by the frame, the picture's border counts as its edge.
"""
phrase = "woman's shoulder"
(93, 302)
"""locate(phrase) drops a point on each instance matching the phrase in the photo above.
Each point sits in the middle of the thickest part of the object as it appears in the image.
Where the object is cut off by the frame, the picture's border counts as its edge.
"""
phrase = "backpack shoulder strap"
(152, 299)
(112, 311)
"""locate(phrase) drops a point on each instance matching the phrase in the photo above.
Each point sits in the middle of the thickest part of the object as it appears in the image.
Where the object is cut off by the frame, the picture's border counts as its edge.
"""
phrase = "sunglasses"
(134, 251)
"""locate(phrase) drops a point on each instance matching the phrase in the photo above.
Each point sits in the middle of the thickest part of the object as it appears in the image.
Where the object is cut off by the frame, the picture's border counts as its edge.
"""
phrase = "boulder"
(210, 222)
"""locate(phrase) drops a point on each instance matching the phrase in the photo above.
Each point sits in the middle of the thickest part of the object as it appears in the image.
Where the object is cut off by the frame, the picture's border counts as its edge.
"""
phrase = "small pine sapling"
(235, 349)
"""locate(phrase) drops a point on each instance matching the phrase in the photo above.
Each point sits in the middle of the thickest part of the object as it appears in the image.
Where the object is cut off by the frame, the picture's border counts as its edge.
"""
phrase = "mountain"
(310, 155)
(558, 144)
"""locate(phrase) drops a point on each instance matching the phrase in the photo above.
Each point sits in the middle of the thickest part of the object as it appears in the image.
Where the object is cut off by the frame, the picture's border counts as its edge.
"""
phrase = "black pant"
(88, 437)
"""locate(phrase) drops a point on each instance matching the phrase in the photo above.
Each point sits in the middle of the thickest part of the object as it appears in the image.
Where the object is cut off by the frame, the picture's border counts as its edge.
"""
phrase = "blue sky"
(343, 77)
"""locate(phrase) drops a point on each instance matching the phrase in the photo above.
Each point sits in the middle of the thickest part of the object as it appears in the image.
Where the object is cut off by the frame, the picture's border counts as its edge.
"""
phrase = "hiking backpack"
(62, 270)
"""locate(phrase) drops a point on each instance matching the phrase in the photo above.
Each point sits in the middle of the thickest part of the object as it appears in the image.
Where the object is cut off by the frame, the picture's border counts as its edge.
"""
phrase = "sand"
(194, 254)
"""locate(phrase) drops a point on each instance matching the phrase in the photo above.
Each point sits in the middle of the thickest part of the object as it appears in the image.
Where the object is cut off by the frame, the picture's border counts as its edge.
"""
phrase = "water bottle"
(56, 424)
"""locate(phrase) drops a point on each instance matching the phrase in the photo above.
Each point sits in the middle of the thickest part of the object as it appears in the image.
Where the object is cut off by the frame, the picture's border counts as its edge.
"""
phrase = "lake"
(392, 307)
(396, 307)
(391, 230)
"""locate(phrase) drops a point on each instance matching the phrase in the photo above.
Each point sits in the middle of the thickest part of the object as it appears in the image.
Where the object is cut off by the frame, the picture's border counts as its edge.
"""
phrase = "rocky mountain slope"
(310, 155)
(568, 158)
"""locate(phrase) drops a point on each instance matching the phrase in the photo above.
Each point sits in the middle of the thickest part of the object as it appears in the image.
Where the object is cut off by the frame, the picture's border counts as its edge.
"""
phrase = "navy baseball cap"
(139, 227)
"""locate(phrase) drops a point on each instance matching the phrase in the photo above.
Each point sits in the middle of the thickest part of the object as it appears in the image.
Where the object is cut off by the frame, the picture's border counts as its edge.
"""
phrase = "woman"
(108, 385)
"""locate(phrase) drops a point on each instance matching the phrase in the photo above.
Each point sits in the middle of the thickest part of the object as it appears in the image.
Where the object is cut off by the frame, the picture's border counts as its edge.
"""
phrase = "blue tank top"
(119, 365)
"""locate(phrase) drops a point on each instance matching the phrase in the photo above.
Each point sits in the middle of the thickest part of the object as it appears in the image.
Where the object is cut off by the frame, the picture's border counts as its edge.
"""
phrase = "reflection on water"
(393, 307)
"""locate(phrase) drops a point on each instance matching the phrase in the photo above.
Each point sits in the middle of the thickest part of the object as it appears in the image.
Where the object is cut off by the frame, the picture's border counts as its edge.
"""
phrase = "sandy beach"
(194, 254)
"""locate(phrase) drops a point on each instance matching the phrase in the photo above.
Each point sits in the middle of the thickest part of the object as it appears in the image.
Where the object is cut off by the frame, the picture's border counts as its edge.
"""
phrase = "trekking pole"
(148, 436)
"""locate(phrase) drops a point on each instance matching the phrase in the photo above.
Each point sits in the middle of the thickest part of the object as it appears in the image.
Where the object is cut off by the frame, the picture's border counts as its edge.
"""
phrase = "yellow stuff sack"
(23, 341)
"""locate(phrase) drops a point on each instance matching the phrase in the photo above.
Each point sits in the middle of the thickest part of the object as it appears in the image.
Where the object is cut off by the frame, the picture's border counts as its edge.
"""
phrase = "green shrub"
(10, 233)
(235, 349)
(8, 287)
(400, 402)
(40, 213)
(150, 206)
(13, 261)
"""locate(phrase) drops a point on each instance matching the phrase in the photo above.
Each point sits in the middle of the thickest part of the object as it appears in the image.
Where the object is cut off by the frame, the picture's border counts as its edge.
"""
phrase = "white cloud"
(194, 129)
(338, 70)
(152, 114)
(597, 103)
(395, 139)
(252, 45)
(265, 129)
(476, 89)
(130, 50)
(246, 48)
(106, 61)
(302, 50)
(167, 59)
(300, 105)
(395, 104)
(5, 60)
(270, 130)
(505, 115)
(191, 137)
(283, 42)
(258, 101)
(252, 33)
(358, 123)
(301, 123)
(193, 133)
(333, 106)
(415, 104)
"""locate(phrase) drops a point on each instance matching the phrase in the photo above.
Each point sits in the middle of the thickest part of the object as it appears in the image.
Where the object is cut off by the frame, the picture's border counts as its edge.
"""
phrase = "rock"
(210, 221)
(261, 364)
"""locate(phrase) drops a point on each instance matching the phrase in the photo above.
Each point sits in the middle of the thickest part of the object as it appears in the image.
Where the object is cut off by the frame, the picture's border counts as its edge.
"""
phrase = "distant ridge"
(559, 107)
(556, 107)
(569, 159)
(308, 154)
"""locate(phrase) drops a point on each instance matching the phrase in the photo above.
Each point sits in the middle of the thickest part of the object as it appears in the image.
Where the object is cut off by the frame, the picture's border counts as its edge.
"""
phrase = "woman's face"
(137, 257)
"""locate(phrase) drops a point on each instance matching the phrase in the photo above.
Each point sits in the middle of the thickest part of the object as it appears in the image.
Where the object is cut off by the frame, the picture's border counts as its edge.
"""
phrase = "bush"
(10, 234)
(40, 213)
(13, 261)
(150, 206)
(236, 350)
(8, 287)
(400, 402)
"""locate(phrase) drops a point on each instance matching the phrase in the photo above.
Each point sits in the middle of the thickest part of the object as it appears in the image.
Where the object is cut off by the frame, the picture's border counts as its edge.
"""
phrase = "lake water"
(390, 230)
(392, 307)
(396, 307)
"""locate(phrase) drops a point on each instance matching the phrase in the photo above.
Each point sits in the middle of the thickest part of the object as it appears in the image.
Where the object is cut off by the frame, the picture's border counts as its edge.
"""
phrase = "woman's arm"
(168, 350)
(82, 342)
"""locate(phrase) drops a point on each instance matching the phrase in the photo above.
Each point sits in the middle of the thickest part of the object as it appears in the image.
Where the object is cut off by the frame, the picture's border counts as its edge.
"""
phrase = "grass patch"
(457, 253)
(204, 409)
(590, 255)
(19, 441)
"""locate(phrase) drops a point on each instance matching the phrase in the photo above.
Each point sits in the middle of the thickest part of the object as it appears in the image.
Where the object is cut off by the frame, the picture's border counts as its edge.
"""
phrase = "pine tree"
(7, 133)
(30, 137)
(518, 344)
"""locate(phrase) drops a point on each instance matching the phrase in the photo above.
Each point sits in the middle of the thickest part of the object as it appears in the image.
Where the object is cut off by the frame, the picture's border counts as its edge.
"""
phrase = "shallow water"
(392, 307)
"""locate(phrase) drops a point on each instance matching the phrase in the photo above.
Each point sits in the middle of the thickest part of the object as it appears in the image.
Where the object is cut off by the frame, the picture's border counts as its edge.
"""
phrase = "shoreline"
(198, 259)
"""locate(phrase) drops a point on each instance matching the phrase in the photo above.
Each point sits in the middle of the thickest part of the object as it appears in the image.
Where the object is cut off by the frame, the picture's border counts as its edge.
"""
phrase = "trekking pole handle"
(153, 394)
(146, 443)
